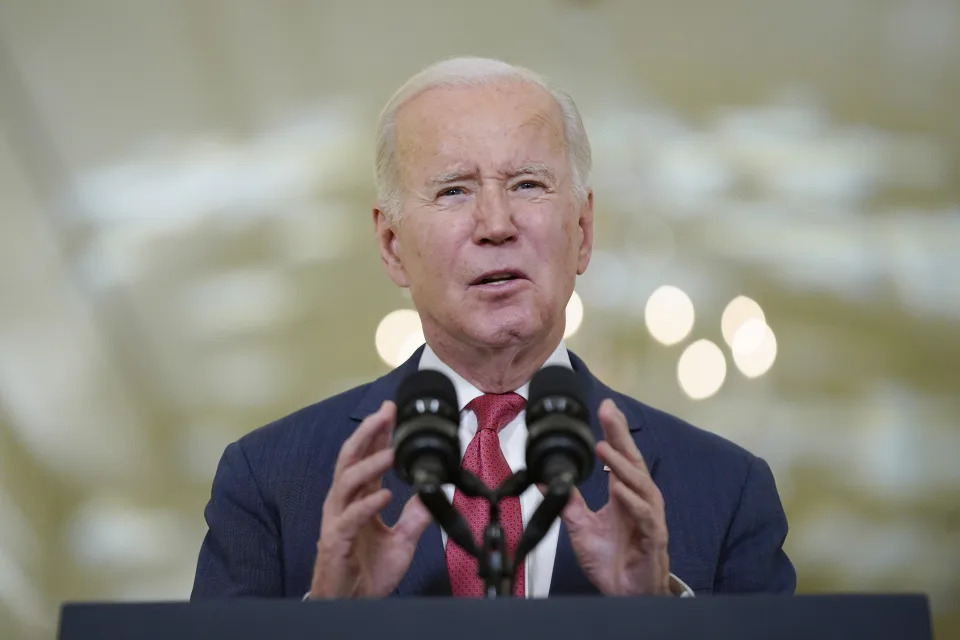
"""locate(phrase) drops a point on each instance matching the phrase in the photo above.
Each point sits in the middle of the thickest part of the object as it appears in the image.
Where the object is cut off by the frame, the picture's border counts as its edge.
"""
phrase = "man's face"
(491, 236)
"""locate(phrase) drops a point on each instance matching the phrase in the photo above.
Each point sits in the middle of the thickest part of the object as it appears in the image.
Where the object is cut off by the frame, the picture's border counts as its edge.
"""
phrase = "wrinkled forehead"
(486, 126)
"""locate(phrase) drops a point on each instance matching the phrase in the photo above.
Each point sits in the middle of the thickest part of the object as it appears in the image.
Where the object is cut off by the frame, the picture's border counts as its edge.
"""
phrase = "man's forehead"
(451, 129)
(445, 113)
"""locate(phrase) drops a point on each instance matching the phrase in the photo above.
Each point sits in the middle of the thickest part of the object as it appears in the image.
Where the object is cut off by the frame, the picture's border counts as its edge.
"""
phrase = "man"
(484, 213)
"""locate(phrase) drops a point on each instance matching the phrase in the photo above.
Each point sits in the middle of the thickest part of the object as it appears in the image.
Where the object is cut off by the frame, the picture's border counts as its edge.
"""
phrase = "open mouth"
(498, 277)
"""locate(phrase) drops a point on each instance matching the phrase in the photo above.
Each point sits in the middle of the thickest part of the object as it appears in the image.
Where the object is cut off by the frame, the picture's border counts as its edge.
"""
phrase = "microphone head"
(556, 389)
(559, 442)
(427, 385)
(426, 442)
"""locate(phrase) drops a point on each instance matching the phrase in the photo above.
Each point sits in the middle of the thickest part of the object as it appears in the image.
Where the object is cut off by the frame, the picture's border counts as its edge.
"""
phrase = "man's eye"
(528, 184)
(451, 191)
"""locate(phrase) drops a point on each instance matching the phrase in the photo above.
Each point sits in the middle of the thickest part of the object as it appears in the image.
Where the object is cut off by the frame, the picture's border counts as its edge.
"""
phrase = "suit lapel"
(568, 578)
(428, 570)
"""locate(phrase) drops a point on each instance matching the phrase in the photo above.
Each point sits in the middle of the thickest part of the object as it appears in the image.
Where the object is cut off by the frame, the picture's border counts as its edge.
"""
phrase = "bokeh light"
(574, 315)
(398, 336)
(669, 315)
(754, 348)
(701, 369)
(738, 311)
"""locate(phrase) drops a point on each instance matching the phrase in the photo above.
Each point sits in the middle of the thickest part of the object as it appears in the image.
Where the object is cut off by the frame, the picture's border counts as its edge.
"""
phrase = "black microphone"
(426, 444)
(560, 445)
(427, 448)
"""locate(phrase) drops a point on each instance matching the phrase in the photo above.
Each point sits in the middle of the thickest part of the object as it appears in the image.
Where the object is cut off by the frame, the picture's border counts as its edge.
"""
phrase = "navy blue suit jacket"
(725, 521)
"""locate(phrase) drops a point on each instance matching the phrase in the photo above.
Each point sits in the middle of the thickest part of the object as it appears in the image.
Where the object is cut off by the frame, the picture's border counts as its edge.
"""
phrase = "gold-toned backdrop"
(186, 253)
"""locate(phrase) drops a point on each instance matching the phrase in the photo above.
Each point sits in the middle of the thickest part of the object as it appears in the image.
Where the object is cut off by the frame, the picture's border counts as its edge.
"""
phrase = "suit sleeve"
(240, 554)
(753, 559)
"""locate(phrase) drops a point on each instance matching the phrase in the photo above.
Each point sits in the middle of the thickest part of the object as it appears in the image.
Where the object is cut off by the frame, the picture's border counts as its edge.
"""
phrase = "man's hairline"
(395, 218)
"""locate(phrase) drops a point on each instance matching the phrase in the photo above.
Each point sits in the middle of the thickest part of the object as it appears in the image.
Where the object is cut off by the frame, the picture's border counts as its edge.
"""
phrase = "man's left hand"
(622, 548)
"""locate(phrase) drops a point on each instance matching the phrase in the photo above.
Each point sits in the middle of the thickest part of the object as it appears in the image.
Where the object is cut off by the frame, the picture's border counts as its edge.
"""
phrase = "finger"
(381, 439)
(413, 520)
(628, 472)
(650, 520)
(356, 446)
(616, 431)
(360, 513)
(576, 513)
(357, 480)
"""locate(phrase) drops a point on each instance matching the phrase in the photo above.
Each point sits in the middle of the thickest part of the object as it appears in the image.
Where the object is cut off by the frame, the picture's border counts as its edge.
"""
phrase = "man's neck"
(495, 370)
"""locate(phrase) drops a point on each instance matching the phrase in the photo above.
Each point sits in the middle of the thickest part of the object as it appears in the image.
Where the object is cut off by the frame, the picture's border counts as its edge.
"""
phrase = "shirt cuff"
(679, 588)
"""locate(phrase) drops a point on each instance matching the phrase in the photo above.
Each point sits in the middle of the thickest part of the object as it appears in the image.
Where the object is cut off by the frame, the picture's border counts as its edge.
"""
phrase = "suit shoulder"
(325, 422)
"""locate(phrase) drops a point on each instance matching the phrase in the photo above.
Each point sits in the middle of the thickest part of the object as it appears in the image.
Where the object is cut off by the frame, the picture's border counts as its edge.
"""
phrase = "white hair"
(470, 71)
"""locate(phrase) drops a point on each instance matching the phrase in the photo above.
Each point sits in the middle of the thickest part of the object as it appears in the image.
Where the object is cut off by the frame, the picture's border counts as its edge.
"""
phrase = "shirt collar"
(466, 392)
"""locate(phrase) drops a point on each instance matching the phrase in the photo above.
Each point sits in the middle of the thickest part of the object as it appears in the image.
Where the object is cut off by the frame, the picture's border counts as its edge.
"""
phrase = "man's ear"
(586, 233)
(388, 244)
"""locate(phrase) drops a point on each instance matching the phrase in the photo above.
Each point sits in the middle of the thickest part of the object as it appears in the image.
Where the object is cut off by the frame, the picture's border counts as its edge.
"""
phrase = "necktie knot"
(494, 411)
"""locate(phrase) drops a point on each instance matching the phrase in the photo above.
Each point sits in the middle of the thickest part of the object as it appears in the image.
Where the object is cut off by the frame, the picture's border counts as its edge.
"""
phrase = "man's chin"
(502, 335)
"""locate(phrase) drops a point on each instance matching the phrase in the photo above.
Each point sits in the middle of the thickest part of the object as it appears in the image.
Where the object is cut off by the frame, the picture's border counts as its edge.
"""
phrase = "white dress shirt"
(538, 565)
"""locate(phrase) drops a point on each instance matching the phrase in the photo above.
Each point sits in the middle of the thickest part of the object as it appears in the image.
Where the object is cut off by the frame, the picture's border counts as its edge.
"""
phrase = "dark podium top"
(759, 617)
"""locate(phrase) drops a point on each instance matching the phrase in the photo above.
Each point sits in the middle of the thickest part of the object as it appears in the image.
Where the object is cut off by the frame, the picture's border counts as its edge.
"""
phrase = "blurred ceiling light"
(309, 233)
(107, 534)
(237, 302)
(208, 177)
(701, 369)
(399, 334)
(754, 348)
(690, 169)
(83, 420)
(16, 531)
(669, 315)
(243, 374)
(738, 311)
(574, 315)
(19, 593)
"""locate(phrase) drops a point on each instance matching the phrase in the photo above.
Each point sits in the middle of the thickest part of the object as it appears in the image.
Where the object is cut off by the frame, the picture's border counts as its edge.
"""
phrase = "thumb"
(575, 514)
(413, 520)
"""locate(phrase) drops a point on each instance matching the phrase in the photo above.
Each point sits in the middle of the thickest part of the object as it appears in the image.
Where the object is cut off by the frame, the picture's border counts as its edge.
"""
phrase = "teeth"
(496, 279)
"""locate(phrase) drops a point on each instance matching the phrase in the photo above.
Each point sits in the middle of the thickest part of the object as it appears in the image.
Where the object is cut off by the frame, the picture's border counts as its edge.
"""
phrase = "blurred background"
(186, 253)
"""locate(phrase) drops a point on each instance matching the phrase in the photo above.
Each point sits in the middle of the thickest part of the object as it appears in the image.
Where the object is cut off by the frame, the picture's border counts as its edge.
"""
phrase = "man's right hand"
(357, 554)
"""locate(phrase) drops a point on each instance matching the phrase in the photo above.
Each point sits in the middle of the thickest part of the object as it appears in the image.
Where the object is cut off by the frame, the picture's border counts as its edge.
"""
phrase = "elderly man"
(485, 214)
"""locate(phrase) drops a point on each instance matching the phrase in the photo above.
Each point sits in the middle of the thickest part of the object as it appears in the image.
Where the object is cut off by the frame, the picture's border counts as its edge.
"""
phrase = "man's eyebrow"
(451, 176)
(535, 169)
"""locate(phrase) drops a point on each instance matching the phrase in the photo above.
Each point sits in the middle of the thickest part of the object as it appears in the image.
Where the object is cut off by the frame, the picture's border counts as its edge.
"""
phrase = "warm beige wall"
(185, 254)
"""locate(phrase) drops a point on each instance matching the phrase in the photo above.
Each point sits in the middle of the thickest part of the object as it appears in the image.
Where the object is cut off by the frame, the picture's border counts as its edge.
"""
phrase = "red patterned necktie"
(484, 458)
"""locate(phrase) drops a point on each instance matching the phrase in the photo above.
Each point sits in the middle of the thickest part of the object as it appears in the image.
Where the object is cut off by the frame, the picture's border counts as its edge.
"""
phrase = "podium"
(754, 617)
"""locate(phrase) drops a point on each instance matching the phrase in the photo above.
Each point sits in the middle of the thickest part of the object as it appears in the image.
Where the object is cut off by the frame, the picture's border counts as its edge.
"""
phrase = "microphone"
(560, 445)
(426, 444)
(427, 448)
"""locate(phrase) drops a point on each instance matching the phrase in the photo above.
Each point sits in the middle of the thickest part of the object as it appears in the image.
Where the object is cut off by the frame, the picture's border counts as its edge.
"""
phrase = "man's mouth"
(498, 277)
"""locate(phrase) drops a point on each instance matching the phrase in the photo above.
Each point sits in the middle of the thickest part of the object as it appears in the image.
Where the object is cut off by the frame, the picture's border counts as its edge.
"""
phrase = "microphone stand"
(494, 563)
(496, 567)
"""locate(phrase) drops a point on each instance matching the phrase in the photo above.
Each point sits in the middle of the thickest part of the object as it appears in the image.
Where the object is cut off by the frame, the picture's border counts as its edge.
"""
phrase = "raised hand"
(357, 554)
(622, 547)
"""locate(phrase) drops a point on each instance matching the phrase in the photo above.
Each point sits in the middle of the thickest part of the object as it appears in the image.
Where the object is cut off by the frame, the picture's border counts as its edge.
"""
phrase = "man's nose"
(494, 217)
